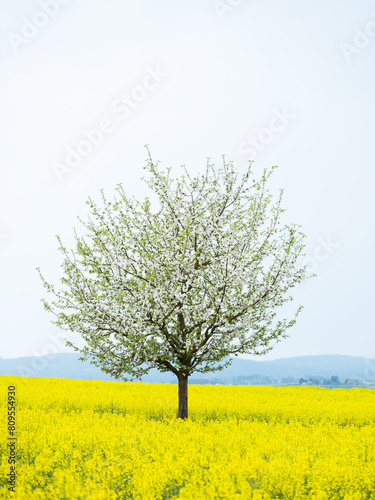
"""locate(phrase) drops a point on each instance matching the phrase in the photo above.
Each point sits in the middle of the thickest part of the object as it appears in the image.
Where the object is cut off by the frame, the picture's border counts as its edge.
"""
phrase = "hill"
(67, 365)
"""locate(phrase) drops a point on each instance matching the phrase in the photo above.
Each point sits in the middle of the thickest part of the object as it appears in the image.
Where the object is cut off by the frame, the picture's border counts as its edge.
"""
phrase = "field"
(114, 440)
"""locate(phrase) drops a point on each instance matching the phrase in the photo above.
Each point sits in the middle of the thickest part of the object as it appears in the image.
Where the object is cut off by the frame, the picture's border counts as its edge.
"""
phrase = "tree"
(182, 287)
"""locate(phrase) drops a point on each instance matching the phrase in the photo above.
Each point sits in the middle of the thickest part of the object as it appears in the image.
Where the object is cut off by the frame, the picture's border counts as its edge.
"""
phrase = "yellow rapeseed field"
(97, 440)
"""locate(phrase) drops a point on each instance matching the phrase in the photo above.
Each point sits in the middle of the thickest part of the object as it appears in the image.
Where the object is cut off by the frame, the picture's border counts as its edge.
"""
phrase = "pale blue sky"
(284, 83)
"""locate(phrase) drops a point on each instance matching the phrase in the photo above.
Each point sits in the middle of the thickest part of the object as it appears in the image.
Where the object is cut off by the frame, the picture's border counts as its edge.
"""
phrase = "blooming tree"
(184, 286)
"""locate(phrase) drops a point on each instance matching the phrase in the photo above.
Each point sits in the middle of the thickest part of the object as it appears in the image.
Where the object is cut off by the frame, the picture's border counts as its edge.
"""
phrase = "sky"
(85, 85)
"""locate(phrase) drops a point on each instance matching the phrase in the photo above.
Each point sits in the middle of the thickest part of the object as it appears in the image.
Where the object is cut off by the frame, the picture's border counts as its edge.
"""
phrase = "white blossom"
(184, 286)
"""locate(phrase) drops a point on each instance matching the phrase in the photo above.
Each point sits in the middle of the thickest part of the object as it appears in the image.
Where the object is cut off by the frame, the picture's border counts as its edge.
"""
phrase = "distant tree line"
(333, 381)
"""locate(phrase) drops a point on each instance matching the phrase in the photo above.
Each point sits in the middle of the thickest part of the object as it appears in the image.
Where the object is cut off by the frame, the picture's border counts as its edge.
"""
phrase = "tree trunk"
(182, 396)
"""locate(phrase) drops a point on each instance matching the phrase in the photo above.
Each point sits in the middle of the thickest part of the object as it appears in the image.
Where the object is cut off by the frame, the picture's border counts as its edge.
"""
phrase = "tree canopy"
(185, 285)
